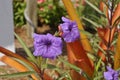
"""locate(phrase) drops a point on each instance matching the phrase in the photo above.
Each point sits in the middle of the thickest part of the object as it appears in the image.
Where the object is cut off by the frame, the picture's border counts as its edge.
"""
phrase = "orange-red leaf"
(116, 13)
(78, 57)
(9, 61)
(107, 33)
(72, 59)
(104, 8)
(101, 33)
(117, 55)
(12, 54)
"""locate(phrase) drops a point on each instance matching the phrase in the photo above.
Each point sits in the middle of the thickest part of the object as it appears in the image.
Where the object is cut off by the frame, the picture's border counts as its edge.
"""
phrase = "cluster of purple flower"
(111, 74)
(49, 46)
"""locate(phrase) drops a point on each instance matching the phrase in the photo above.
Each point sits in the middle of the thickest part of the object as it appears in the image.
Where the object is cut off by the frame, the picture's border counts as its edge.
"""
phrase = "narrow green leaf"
(86, 33)
(50, 66)
(98, 64)
(19, 74)
(71, 65)
(94, 7)
(92, 22)
(77, 69)
(98, 77)
(117, 21)
(100, 48)
(30, 55)
(65, 75)
(27, 66)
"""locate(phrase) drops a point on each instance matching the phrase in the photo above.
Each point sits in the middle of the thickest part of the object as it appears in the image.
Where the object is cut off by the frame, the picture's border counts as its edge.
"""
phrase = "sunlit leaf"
(28, 52)
(15, 55)
(116, 14)
(11, 62)
(92, 22)
(19, 74)
(80, 71)
(98, 64)
(94, 7)
(117, 54)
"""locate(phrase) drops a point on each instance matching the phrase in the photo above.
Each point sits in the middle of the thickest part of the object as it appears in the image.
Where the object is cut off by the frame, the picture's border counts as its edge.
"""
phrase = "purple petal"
(108, 76)
(111, 74)
(65, 19)
(47, 46)
(70, 30)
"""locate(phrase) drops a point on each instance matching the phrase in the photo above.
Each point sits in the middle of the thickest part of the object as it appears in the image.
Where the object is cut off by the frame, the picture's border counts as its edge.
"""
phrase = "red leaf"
(78, 57)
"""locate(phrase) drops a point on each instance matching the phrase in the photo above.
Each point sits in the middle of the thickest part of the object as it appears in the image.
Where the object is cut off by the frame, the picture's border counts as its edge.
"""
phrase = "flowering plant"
(48, 12)
(96, 61)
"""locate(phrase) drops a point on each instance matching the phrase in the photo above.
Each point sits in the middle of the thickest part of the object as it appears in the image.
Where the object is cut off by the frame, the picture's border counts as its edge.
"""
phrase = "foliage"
(48, 11)
(18, 10)
(98, 60)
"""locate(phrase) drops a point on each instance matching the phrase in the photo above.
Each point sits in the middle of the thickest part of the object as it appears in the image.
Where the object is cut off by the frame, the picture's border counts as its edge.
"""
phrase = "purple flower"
(70, 30)
(47, 46)
(111, 74)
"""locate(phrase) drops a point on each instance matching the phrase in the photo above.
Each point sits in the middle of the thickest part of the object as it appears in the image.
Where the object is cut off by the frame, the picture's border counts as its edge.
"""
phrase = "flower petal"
(47, 46)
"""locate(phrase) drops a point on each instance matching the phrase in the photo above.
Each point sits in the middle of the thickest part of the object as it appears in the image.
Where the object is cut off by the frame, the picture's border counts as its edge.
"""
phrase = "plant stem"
(110, 34)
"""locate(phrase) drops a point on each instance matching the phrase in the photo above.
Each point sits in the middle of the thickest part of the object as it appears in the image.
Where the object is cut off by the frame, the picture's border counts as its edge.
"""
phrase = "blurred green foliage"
(18, 10)
(90, 17)
(51, 12)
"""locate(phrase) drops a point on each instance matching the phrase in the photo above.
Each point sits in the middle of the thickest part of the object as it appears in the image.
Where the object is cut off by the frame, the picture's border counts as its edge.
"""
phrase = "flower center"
(70, 29)
(48, 43)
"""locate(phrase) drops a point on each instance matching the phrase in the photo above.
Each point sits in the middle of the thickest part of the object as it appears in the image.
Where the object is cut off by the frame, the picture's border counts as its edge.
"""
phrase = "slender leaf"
(94, 7)
(100, 48)
(86, 33)
(27, 66)
(26, 48)
(92, 22)
(116, 13)
(19, 74)
(98, 64)
(98, 77)
(117, 54)
(50, 66)
(66, 76)
(77, 69)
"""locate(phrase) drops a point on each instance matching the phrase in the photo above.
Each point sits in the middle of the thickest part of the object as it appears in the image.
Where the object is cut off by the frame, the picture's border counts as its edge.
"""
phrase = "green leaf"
(30, 55)
(92, 22)
(98, 46)
(77, 69)
(65, 75)
(98, 64)
(20, 74)
(86, 33)
(98, 77)
(50, 66)
(94, 7)
(27, 66)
